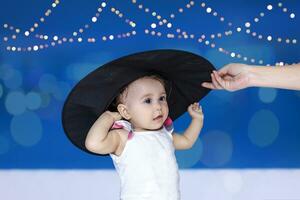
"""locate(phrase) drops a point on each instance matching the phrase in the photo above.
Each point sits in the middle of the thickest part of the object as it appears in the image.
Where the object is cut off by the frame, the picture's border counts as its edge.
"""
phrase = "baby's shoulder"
(123, 133)
(122, 128)
(123, 136)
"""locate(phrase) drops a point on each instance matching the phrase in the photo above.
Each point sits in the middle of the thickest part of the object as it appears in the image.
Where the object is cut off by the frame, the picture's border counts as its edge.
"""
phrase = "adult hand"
(231, 77)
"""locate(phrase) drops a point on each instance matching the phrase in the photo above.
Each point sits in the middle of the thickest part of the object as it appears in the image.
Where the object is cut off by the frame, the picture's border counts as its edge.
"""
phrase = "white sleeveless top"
(147, 166)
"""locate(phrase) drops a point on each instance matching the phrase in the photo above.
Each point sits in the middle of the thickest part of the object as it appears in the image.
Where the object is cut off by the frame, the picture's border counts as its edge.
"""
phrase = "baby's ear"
(122, 109)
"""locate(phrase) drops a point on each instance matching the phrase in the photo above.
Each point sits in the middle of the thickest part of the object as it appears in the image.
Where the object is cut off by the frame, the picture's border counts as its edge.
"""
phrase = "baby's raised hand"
(195, 111)
(114, 115)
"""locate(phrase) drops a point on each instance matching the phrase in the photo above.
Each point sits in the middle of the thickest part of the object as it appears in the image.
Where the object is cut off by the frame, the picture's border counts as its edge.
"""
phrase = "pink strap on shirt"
(117, 125)
(168, 124)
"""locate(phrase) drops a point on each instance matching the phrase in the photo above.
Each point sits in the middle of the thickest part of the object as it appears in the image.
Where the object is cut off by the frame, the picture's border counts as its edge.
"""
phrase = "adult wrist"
(252, 75)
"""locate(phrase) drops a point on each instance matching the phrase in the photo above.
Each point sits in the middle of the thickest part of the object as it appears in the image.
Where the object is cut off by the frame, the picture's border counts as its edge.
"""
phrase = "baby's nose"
(158, 106)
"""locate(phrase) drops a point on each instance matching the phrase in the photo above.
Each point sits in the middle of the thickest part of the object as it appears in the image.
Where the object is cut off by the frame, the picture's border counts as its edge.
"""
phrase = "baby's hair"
(123, 92)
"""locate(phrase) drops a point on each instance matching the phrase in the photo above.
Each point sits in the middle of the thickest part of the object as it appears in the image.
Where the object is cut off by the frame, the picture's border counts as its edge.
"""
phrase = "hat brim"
(184, 71)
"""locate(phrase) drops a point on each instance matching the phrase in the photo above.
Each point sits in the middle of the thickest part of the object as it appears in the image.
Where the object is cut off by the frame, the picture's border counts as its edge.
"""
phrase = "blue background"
(251, 128)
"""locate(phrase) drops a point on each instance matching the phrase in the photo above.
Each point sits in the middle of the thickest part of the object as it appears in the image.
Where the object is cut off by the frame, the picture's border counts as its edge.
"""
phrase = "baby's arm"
(189, 137)
(99, 138)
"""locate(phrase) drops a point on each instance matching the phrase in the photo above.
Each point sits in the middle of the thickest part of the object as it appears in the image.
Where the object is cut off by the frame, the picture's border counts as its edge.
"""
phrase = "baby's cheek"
(167, 109)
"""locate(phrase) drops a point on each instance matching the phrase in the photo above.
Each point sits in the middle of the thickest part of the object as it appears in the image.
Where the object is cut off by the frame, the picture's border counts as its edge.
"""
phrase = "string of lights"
(183, 34)
(178, 33)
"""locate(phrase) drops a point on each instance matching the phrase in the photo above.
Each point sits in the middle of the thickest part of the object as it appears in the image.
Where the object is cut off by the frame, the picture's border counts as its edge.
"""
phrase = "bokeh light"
(188, 158)
(33, 100)
(26, 129)
(263, 128)
(13, 79)
(217, 148)
(267, 95)
(45, 98)
(15, 103)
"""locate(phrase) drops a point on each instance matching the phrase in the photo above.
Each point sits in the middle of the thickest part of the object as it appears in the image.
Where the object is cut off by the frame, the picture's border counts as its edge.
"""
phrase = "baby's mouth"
(158, 117)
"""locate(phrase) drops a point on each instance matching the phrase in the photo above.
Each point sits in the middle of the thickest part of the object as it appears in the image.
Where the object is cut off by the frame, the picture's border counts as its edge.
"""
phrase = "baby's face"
(146, 103)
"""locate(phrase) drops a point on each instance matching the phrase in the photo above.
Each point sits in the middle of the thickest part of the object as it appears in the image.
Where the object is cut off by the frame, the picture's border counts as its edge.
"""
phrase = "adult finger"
(208, 85)
(220, 80)
(215, 82)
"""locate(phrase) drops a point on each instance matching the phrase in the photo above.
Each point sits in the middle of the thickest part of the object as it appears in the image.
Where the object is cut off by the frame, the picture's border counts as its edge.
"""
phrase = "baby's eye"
(162, 98)
(147, 101)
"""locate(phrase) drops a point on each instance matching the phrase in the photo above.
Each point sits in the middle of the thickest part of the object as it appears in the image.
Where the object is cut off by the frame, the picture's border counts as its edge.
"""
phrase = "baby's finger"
(197, 107)
(200, 108)
(196, 104)
(191, 107)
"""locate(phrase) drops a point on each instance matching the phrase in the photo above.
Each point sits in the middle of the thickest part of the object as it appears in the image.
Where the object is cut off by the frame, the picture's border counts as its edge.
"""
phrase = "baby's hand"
(195, 111)
(114, 115)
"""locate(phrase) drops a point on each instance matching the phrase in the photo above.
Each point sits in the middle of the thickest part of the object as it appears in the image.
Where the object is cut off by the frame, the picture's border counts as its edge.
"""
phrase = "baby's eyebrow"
(150, 94)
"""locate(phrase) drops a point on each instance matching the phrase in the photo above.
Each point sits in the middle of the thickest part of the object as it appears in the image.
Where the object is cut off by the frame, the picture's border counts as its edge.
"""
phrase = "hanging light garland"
(178, 32)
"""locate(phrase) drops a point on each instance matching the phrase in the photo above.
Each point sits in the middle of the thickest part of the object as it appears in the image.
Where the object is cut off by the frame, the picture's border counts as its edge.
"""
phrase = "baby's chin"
(152, 128)
(157, 127)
